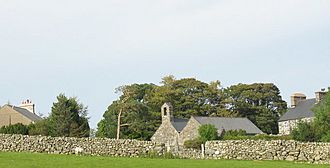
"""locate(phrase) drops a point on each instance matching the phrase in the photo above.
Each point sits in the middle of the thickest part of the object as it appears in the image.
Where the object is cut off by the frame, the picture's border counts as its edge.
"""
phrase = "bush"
(207, 132)
(18, 128)
(39, 128)
(305, 132)
(326, 137)
(195, 143)
(233, 133)
(258, 137)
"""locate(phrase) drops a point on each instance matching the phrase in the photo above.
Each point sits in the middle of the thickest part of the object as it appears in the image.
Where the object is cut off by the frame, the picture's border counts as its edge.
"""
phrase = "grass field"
(28, 160)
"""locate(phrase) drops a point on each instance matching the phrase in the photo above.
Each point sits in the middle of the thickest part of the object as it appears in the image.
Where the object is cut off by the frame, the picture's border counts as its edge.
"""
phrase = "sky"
(88, 48)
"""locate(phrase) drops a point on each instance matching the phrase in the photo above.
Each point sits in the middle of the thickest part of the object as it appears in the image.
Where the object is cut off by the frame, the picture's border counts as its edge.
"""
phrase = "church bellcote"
(167, 111)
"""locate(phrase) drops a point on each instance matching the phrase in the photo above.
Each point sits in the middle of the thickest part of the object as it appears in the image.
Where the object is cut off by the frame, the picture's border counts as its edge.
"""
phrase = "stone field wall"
(242, 149)
(88, 146)
(268, 150)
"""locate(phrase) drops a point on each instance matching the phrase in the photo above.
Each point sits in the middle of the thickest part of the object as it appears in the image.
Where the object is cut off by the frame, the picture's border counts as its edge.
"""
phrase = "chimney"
(28, 105)
(320, 95)
(296, 98)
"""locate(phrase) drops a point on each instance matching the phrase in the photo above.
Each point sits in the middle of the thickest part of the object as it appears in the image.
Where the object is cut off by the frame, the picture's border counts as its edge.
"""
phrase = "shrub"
(305, 132)
(195, 143)
(207, 132)
(231, 134)
(326, 137)
(39, 128)
(258, 137)
(18, 128)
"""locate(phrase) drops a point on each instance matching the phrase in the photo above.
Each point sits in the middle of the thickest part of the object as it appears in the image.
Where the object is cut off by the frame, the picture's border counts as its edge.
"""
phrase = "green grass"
(29, 160)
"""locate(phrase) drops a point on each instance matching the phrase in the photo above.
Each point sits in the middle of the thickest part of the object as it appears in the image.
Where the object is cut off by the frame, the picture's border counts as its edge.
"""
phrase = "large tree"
(68, 118)
(189, 97)
(128, 117)
(260, 102)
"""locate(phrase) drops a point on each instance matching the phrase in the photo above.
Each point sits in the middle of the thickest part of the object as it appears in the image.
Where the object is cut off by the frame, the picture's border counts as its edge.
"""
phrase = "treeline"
(136, 113)
(68, 118)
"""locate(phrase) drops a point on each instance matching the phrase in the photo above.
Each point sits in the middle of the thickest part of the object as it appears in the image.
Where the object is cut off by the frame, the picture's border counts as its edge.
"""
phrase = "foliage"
(326, 137)
(189, 97)
(235, 133)
(259, 102)
(18, 128)
(305, 132)
(257, 137)
(138, 120)
(194, 143)
(41, 127)
(68, 118)
(322, 118)
(207, 132)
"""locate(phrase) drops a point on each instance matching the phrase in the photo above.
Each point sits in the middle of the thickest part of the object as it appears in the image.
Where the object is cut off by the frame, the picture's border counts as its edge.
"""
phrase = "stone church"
(175, 131)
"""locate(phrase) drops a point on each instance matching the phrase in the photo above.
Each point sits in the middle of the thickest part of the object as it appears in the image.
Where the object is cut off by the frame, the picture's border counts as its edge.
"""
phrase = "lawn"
(29, 160)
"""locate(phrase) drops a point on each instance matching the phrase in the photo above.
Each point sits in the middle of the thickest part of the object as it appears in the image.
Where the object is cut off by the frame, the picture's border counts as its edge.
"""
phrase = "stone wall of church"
(166, 134)
(189, 132)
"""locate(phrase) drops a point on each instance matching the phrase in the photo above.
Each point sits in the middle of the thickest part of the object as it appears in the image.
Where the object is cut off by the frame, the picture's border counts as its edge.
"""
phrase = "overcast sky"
(87, 48)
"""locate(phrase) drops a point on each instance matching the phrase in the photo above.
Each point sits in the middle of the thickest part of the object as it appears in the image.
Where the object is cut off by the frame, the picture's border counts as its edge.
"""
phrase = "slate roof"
(26, 113)
(302, 110)
(179, 123)
(223, 123)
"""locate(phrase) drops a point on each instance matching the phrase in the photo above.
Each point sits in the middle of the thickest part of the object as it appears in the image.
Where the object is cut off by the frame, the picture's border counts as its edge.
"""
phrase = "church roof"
(224, 123)
(302, 110)
(179, 123)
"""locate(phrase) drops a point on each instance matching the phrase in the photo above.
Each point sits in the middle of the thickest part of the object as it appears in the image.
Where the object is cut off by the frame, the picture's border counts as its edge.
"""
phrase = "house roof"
(179, 123)
(302, 110)
(26, 113)
(223, 123)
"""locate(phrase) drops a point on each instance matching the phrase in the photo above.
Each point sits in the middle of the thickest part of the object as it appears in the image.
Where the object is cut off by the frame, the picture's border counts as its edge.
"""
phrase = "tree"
(129, 117)
(41, 127)
(68, 118)
(207, 132)
(305, 132)
(259, 102)
(189, 97)
(322, 118)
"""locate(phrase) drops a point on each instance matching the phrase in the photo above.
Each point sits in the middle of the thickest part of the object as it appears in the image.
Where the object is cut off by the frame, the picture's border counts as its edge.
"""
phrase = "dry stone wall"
(88, 146)
(268, 150)
(240, 149)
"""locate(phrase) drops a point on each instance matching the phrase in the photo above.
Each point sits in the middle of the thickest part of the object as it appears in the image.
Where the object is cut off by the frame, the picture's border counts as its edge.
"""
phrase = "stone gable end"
(190, 131)
(166, 134)
(9, 116)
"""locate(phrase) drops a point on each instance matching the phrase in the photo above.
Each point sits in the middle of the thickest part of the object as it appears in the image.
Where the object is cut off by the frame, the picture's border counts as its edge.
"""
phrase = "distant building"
(300, 110)
(175, 131)
(24, 114)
